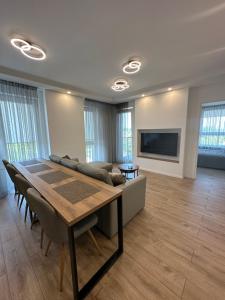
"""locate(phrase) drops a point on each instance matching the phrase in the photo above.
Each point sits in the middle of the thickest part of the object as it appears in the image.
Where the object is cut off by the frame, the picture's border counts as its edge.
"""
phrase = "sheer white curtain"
(99, 131)
(23, 132)
(212, 127)
(124, 133)
(3, 154)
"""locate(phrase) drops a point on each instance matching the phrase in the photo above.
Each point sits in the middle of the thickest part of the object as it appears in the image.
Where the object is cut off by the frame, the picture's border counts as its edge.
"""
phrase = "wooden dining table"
(74, 196)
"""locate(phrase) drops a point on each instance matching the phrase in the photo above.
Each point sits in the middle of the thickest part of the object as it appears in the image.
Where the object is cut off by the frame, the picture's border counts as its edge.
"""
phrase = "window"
(212, 127)
(21, 143)
(124, 136)
(23, 130)
(89, 135)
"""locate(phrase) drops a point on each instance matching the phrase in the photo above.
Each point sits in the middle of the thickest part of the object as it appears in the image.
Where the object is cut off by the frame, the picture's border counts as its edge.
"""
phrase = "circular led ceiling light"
(120, 85)
(33, 52)
(132, 67)
(19, 43)
(28, 49)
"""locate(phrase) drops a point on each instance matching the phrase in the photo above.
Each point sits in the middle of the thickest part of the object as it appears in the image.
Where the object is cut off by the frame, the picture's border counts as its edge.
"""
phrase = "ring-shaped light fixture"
(28, 49)
(120, 85)
(18, 43)
(132, 67)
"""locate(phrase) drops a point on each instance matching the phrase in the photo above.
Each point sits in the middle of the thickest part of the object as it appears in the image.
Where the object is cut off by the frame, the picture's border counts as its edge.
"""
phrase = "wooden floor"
(174, 248)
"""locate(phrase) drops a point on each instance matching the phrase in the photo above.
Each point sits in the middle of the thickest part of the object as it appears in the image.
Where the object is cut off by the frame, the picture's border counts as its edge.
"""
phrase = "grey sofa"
(133, 202)
(211, 158)
(133, 194)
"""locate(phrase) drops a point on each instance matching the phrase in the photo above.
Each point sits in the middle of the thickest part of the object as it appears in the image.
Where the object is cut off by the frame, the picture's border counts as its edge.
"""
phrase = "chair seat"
(84, 225)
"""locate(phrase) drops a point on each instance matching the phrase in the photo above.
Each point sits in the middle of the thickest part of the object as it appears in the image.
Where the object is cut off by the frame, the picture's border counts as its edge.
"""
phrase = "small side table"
(127, 169)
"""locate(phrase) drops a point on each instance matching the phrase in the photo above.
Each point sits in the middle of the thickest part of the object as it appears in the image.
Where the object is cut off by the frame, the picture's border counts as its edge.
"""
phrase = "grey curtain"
(100, 131)
(23, 130)
(109, 131)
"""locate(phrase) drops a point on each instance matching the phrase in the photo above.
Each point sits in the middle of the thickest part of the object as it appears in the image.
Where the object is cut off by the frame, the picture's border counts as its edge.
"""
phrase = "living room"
(112, 150)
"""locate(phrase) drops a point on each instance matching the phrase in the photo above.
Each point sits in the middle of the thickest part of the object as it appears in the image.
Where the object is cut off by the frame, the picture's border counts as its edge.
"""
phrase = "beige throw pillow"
(117, 178)
(68, 157)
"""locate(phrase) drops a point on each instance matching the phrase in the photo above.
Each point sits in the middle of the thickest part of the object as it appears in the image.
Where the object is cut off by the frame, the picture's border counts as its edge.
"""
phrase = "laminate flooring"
(173, 249)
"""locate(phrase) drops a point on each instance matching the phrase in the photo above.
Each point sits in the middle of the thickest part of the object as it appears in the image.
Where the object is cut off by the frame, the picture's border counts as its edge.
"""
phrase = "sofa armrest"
(133, 197)
(139, 181)
(133, 201)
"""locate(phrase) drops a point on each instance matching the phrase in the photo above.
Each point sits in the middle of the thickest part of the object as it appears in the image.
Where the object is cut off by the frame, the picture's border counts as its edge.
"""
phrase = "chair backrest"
(53, 225)
(12, 171)
(22, 184)
(5, 162)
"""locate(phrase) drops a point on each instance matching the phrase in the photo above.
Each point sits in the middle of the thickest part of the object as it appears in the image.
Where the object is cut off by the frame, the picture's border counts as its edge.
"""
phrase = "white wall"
(197, 97)
(66, 124)
(163, 111)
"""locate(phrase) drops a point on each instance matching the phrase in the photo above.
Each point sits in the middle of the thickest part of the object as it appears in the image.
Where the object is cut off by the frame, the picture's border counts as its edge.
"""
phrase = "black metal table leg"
(120, 224)
(107, 265)
(73, 262)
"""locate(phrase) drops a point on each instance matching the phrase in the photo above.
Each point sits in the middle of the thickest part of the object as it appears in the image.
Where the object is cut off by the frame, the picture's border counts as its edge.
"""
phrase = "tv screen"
(159, 143)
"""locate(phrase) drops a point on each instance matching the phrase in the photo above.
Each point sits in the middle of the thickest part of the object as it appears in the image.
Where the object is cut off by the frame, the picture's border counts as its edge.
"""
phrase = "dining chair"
(12, 171)
(56, 230)
(5, 162)
(23, 185)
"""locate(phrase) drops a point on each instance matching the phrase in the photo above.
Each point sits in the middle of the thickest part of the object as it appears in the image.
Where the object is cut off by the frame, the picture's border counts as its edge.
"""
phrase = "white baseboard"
(162, 173)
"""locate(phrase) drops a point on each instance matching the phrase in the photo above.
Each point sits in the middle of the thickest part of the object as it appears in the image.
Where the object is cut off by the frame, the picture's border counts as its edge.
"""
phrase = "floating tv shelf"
(159, 158)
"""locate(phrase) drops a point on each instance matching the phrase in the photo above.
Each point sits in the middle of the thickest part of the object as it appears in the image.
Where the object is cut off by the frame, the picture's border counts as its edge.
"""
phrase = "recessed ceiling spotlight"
(120, 85)
(169, 89)
(132, 67)
(68, 92)
(28, 49)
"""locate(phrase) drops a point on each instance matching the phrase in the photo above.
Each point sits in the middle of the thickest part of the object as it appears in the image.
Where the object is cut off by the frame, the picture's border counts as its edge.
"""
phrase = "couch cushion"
(69, 163)
(96, 173)
(117, 178)
(55, 158)
(68, 157)
(102, 165)
(76, 159)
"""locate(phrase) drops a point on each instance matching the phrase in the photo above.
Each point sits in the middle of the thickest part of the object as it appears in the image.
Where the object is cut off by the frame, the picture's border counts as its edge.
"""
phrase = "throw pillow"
(117, 178)
(66, 156)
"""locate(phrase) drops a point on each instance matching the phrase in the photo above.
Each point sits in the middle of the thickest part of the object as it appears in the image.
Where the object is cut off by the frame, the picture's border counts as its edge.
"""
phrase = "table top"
(72, 194)
(128, 167)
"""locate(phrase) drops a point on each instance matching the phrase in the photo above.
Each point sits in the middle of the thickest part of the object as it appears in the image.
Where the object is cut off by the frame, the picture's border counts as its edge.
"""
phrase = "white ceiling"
(87, 41)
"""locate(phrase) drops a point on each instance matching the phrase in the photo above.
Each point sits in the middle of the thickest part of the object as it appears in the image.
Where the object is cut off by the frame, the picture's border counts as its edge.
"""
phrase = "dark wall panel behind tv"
(159, 143)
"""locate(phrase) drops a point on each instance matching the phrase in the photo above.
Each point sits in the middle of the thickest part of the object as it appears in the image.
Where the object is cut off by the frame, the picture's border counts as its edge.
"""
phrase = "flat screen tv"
(162, 143)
